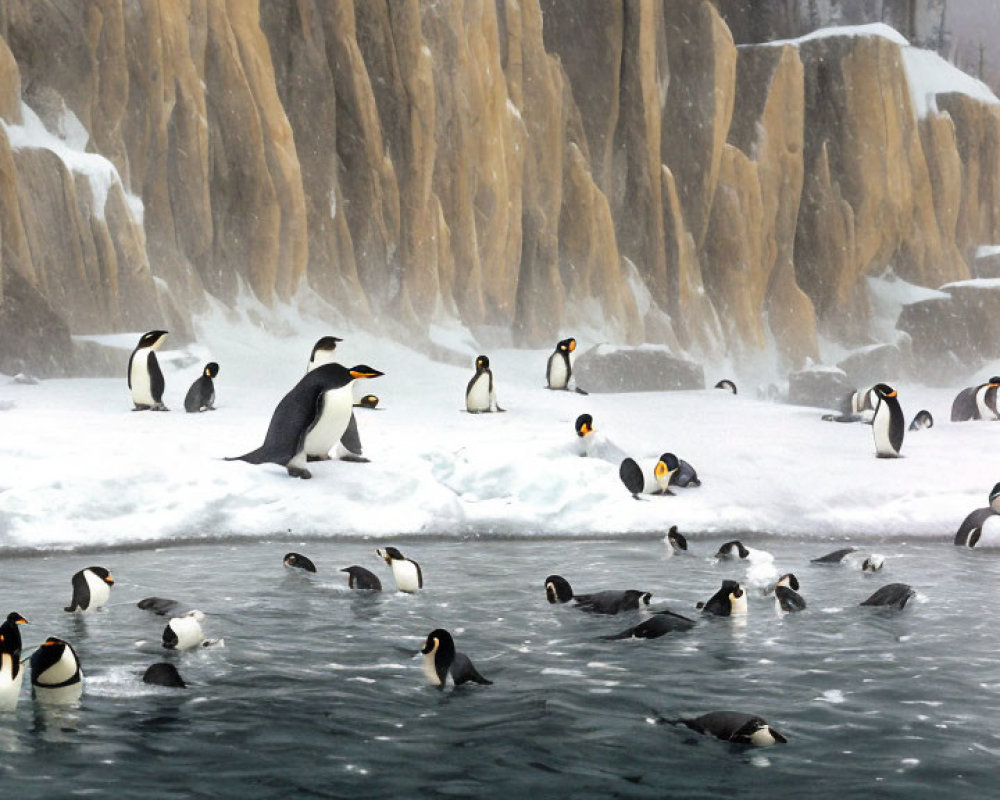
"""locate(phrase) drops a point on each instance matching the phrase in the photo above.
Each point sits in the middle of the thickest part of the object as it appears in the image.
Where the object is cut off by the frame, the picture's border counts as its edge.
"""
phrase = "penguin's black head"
(557, 589)
(103, 574)
(364, 371)
(16, 619)
(584, 424)
(566, 345)
(883, 390)
(48, 653)
(163, 674)
(151, 338)
(368, 401)
(438, 639)
(390, 554)
(482, 363)
(676, 539)
(298, 561)
(640, 598)
(326, 343)
(995, 493)
(733, 548)
(211, 369)
(790, 581)
(667, 464)
(995, 381)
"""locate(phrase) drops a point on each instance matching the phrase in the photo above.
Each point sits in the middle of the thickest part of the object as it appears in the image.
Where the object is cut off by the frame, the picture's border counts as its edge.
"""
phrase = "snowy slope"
(78, 467)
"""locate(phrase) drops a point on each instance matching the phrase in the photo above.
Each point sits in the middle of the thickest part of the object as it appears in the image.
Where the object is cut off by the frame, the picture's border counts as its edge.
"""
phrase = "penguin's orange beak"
(373, 374)
(585, 429)
(572, 346)
(109, 581)
(891, 394)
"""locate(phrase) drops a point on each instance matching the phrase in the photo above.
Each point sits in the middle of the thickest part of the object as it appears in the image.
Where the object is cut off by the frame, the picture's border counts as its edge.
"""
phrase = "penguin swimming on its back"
(298, 413)
(56, 676)
(11, 673)
(91, 589)
(145, 379)
(559, 369)
(481, 393)
(786, 595)
(733, 726)
(443, 662)
(362, 579)
(405, 571)
(981, 528)
(888, 423)
(201, 395)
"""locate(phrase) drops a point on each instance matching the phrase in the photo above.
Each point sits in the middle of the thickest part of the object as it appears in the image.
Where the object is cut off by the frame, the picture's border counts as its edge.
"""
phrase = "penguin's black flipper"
(963, 408)
(463, 671)
(893, 595)
(156, 382)
(833, 558)
(578, 390)
(128, 375)
(971, 528)
(351, 440)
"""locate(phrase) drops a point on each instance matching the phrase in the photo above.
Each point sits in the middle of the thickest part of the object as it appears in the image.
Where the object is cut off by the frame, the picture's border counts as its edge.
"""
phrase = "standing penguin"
(559, 369)
(91, 589)
(144, 376)
(298, 414)
(11, 674)
(406, 571)
(981, 528)
(201, 395)
(888, 424)
(986, 399)
(443, 662)
(349, 448)
(56, 676)
(481, 393)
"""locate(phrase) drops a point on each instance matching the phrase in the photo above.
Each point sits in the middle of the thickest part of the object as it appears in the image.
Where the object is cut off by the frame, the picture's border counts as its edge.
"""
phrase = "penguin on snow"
(559, 369)
(888, 423)
(977, 402)
(349, 445)
(145, 379)
(481, 393)
(201, 395)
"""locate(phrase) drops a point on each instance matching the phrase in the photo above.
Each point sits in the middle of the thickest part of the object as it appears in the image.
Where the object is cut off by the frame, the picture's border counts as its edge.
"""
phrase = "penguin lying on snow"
(201, 395)
(11, 673)
(442, 662)
(299, 413)
(733, 726)
(298, 561)
(145, 379)
(558, 590)
(981, 528)
(892, 595)
(481, 393)
(362, 579)
(56, 676)
(921, 421)
(559, 369)
(91, 589)
(729, 601)
(659, 624)
(369, 401)
(405, 571)
(887, 426)
(648, 477)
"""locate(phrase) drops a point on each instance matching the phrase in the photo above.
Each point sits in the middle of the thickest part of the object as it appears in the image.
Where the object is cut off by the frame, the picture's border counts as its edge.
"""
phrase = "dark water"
(316, 693)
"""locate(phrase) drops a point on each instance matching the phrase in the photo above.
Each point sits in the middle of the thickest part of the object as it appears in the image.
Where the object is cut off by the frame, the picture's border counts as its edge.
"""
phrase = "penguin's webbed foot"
(139, 407)
(317, 458)
(355, 459)
(299, 472)
(158, 407)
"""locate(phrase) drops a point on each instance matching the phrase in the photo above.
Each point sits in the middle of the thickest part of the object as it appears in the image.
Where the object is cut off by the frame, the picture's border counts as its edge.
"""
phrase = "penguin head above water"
(152, 339)
(584, 425)
(390, 554)
(211, 369)
(733, 549)
(789, 580)
(439, 653)
(676, 539)
(557, 589)
(873, 563)
(566, 345)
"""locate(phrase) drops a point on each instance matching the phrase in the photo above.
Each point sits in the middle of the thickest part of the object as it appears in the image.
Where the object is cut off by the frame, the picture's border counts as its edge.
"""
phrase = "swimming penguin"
(323, 352)
(201, 395)
(729, 601)
(11, 673)
(986, 399)
(873, 563)
(922, 421)
(659, 624)
(297, 415)
(892, 595)
(362, 579)
(557, 589)
(734, 726)
(184, 632)
(648, 476)
(559, 369)
(733, 549)
(406, 572)
(91, 589)
(593, 443)
(163, 674)
(835, 557)
(158, 605)
(981, 528)
(298, 561)
(611, 601)
(675, 541)
(368, 401)
(888, 424)
(481, 393)
(786, 595)
(726, 384)
(56, 676)
(144, 376)
(443, 662)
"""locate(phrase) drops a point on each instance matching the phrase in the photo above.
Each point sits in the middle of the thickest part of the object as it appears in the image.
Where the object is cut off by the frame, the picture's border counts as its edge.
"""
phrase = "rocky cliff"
(534, 166)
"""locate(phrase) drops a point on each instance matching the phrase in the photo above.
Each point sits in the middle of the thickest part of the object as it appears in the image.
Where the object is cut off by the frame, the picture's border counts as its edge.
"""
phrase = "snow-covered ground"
(79, 468)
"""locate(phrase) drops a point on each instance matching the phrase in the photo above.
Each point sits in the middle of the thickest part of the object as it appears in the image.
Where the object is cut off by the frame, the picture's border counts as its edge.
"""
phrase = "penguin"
(729, 601)
(322, 352)
(659, 624)
(201, 395)
(91, 589)
(726, 384)
(184, 632)
(887, 426)
(873, 563)
(892, 595)
(735, 727)
(56, 676)
(986, 399)
(675, 541)
(159, 605)
(981, 528)
(362, 579)
(786, 595)
(163, 674)
(922, 421)
(559, 368)
(612, 601)
(11, 673)
(685, 476)
(297, 415)
(733, 549)
(592, 443)
(368, 401)
(557, 589)
(299, 562)
(336, 426)
(481, 393)
(648, 477)
(443, 662)
(406, 572)
(836, 557)
(144, 376)
(963, 407)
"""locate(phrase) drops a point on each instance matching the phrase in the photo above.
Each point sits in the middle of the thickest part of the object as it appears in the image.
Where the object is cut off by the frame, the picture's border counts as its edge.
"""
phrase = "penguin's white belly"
(478, 396)
(985, 412)
(10, 687)
(558, 374)
(46, 686)
(337, 407)
(99, 591)
(188, 632)
(989, 533)
(429, 669)
(405, 573)
(738, 605)
(142, 394)
(880, 430)
(650, 484)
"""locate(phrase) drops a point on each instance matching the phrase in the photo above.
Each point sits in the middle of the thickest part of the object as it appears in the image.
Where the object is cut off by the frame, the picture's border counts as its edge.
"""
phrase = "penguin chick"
(201, 395)
(922, 421)
(91, 589)
(442, 661)
(405, 571)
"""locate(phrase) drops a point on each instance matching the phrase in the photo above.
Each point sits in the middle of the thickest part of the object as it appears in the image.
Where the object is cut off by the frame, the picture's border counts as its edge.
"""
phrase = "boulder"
(649, 368)
(986, 263)
(877, 363)
(822, 387)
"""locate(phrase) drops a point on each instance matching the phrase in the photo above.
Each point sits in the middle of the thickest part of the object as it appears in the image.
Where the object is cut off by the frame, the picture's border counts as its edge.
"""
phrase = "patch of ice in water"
(569, 673)
(834, 696)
